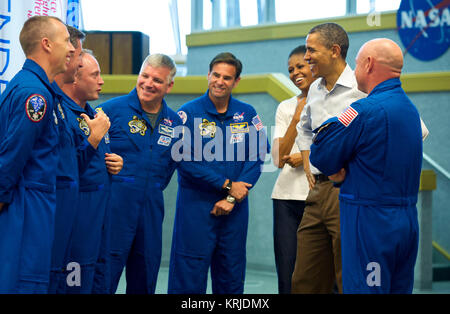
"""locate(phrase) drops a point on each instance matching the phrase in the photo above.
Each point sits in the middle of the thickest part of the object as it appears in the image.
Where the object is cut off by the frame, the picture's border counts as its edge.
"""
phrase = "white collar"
(346, 79)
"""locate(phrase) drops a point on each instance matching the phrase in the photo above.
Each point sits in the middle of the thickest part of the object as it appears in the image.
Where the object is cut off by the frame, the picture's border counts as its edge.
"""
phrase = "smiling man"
(318, 262)
(212, 205)
(29, 157)
(75, 152)
(88, 239)
(67, 173)
(143, 132)
(376, 147)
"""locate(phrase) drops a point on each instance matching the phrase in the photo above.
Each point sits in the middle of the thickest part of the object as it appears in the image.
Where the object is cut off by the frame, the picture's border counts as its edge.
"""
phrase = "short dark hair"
(300, 50)
(229, 58)
(332, 34)
(34, 29)
(75, 34)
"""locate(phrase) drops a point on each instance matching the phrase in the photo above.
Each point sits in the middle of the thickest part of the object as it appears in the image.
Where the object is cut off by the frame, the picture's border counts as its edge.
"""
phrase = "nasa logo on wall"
(424, 27)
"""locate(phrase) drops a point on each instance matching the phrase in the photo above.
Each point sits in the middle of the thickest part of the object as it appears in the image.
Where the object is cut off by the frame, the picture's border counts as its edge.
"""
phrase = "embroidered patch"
(83, 126)
(36, 106)
(167, 121)
(237, 138)
(99, 109)
(137, 126)
(164, 140)
(238, 117)
(55, 117)
(239, 127)
(207, 128)
(183, 116)
(106, 137)
(348, 116)
(165, 130)
(61, 111)
(323, 127)
(257, 123)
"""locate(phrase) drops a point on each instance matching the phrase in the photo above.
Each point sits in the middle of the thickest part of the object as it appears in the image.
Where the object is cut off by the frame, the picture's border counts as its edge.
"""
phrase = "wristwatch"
(228, 186)
(231, 199)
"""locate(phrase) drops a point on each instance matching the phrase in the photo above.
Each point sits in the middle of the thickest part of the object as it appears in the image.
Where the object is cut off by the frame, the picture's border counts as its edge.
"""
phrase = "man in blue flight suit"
(224, 147)
(89, 241)
(375, 149)
(143, 132)
(28, 158)
(75, 151)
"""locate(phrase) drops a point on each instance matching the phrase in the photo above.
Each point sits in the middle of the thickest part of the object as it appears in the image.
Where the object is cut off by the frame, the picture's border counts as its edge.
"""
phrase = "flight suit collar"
(89, 110)
(386, 85)
(72, 105)
(211, 108)
(136, 105)
(58, 91)
(35, 68)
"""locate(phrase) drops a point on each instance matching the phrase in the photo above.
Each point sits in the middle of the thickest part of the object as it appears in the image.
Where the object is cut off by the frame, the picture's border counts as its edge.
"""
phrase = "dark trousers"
(287, 215)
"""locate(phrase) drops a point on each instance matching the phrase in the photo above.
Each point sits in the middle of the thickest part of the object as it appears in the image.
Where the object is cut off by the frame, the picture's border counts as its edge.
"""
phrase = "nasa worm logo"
(423, 27)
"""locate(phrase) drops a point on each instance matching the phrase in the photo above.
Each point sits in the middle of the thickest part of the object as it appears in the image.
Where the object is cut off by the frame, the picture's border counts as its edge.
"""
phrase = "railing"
(424, 264)
(435, 165)
(423, 274)
(441, 250)
(446, 174)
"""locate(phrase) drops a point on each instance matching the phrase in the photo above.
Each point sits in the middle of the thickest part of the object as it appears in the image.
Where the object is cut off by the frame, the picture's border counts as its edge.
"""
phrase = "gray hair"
(87, 51)
(160, 60)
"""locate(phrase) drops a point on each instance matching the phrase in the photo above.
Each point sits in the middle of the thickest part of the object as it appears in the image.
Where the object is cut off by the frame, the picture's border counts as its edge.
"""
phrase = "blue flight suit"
(378, 141)
(89, 238)
(215, 148)
(137, 204)
(74, 150)
(28, 159)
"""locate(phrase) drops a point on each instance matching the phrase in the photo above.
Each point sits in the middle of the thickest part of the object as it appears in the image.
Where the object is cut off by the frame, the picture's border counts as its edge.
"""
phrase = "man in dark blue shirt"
(143, 132)
(374, 148)
(90, 233)
(224, 147)
(28, 158)
(75, 152)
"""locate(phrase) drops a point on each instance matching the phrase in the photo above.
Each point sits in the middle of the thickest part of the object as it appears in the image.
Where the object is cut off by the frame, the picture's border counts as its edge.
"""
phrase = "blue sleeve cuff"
(220, 183)
(88, 147)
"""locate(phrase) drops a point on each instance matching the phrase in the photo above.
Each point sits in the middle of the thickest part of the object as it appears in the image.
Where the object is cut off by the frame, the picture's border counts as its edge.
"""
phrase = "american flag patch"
(347, 116)
(257, 122)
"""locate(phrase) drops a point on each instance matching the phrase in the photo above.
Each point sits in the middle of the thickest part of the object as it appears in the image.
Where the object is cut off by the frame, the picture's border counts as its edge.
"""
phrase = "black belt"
(321, 178)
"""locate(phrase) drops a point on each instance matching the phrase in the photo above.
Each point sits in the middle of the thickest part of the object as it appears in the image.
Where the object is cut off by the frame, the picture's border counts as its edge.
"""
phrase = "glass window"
(249, 12)
(149, 17)
(365, 6)
(207, 14)
(154, 17)
(184, 20)
(289, 11)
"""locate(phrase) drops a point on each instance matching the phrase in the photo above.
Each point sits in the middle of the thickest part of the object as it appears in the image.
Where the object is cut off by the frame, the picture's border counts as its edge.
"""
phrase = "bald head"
(385, 52)
(377, 61)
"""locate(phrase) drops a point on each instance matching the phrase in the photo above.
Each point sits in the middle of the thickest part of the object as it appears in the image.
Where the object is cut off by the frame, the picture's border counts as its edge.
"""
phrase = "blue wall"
(271, 56)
